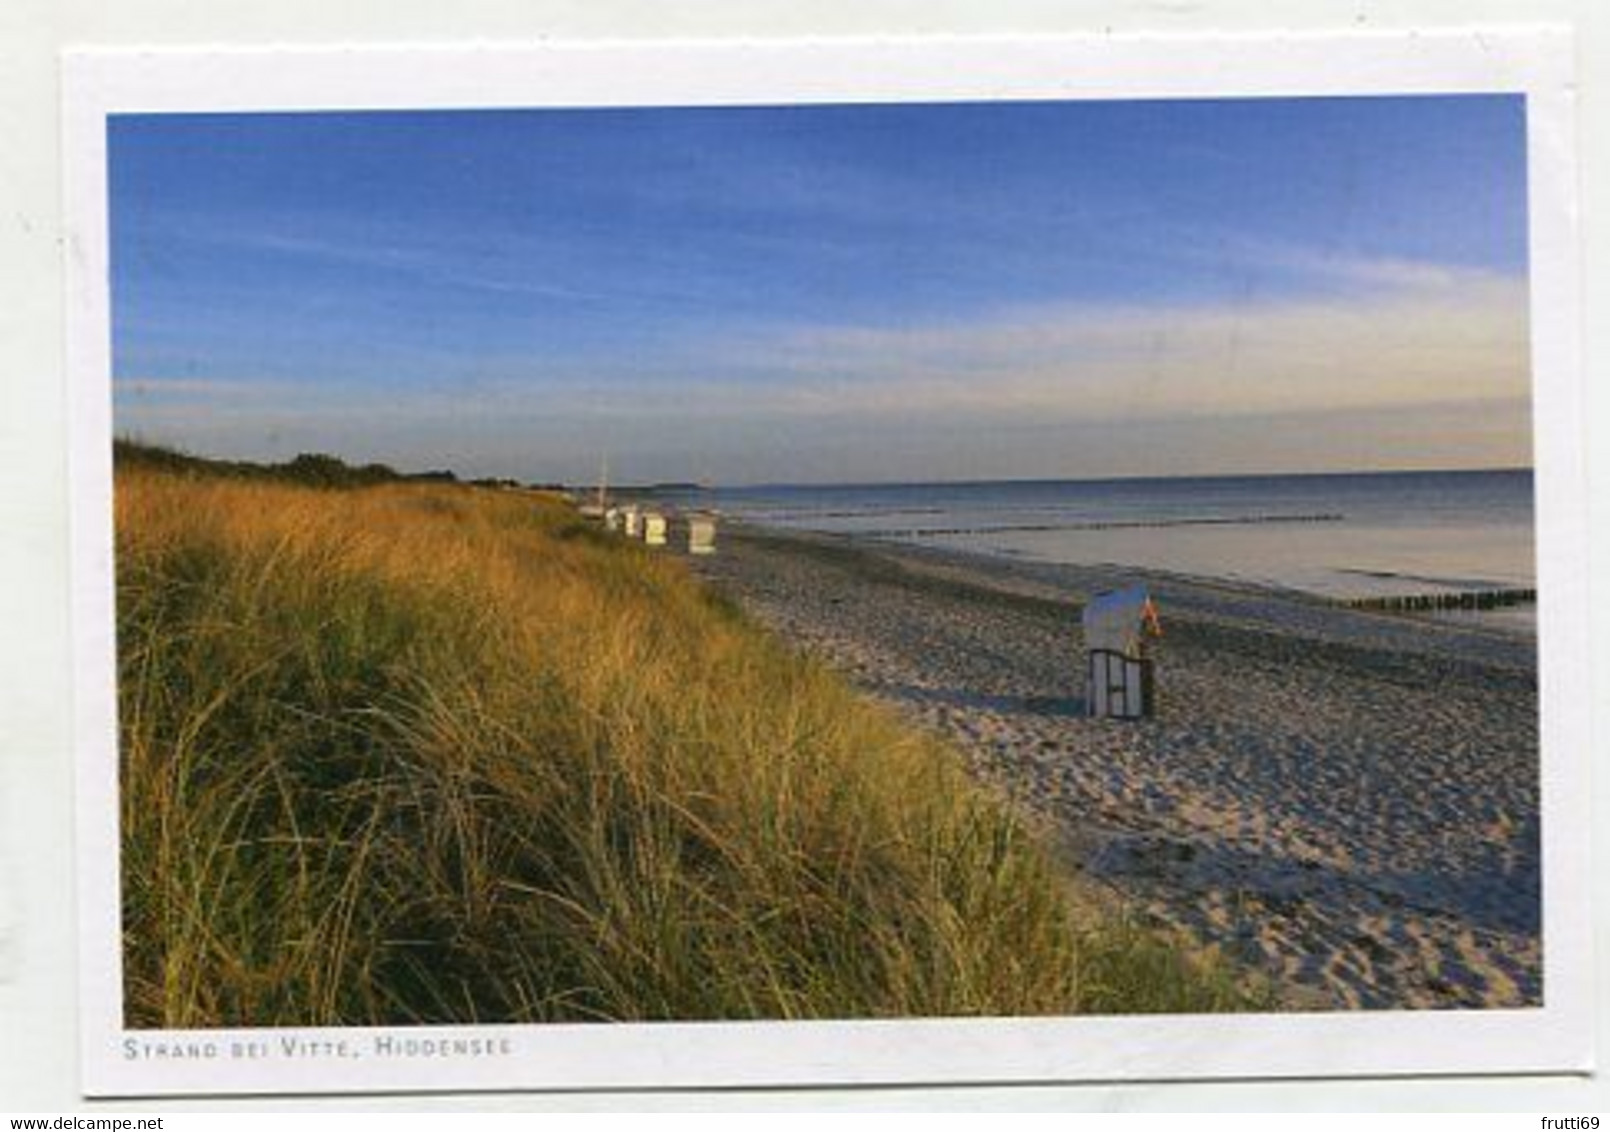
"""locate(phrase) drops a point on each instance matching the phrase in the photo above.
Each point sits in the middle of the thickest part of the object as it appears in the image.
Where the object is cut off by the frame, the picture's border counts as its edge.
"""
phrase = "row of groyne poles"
(1435, 602)
(654, 527)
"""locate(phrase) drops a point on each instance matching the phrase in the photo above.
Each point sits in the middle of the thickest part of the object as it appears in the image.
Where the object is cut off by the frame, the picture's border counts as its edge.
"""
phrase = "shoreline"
(1343, 799)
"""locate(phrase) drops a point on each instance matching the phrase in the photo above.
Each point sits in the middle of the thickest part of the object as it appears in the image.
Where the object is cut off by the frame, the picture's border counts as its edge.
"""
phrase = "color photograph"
(980, 559)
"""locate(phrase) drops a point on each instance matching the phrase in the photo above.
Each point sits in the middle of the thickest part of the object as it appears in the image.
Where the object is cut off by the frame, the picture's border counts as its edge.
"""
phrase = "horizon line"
(710, 485)
(764, 484)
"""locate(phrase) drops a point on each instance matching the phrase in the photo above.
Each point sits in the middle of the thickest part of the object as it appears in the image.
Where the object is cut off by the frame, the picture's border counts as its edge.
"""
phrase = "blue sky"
(820, 293)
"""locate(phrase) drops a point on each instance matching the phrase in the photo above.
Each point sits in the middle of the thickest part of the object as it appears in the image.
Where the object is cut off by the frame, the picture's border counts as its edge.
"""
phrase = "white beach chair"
(701, 534)
(654, 527)
(1119, 682)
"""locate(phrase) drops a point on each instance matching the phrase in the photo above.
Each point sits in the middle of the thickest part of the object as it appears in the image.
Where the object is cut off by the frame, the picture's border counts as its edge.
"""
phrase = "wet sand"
(1345, 800)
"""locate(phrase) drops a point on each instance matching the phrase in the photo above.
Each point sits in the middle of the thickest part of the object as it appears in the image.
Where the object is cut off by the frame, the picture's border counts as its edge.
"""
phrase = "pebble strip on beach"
(1346, 800)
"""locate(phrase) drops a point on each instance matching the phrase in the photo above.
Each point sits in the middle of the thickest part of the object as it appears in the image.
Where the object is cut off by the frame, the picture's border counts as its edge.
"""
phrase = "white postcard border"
(1556, 1037)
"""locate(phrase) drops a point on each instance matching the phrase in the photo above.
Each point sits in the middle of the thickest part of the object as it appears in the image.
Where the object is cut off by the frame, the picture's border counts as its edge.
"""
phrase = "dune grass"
(427, 754)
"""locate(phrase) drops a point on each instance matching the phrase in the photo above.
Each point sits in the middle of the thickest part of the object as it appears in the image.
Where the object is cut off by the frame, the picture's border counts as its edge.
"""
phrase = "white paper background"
(38, 1029)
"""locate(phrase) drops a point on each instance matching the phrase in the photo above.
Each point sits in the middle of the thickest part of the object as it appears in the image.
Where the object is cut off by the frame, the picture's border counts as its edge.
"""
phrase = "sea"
(1347, 536)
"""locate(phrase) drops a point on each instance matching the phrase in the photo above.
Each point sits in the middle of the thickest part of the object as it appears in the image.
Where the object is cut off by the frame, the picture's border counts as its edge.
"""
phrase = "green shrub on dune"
(427, 754)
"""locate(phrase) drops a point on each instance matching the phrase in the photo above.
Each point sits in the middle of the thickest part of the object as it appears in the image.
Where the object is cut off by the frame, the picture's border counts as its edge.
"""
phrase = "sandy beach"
(1347, 801)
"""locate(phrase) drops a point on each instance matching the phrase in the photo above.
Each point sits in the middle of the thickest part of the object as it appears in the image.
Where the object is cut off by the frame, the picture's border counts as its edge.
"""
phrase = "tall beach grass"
(426, 754)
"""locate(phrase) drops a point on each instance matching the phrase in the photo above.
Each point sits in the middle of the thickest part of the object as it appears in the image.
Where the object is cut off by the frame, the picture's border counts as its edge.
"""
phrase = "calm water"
(1337, 535)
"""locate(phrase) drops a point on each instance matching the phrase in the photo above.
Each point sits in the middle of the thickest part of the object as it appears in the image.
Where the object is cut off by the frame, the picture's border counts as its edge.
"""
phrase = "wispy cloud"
(1339, 265)
(208, 391)
(1436, 360)
(1434, 338)
(506, 265)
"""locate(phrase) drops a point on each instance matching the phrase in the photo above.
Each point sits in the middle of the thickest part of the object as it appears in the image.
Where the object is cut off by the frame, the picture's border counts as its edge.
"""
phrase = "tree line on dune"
(308, 469)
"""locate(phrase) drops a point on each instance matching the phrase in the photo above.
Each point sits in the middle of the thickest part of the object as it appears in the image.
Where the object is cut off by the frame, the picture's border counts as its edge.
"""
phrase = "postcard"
(827, 563)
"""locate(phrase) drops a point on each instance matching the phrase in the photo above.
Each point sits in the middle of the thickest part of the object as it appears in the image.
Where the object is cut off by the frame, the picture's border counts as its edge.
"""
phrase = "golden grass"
(414, 754)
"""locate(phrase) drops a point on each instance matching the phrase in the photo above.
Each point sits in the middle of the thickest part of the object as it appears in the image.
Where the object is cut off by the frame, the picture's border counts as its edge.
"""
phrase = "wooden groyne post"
(1438, 602)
